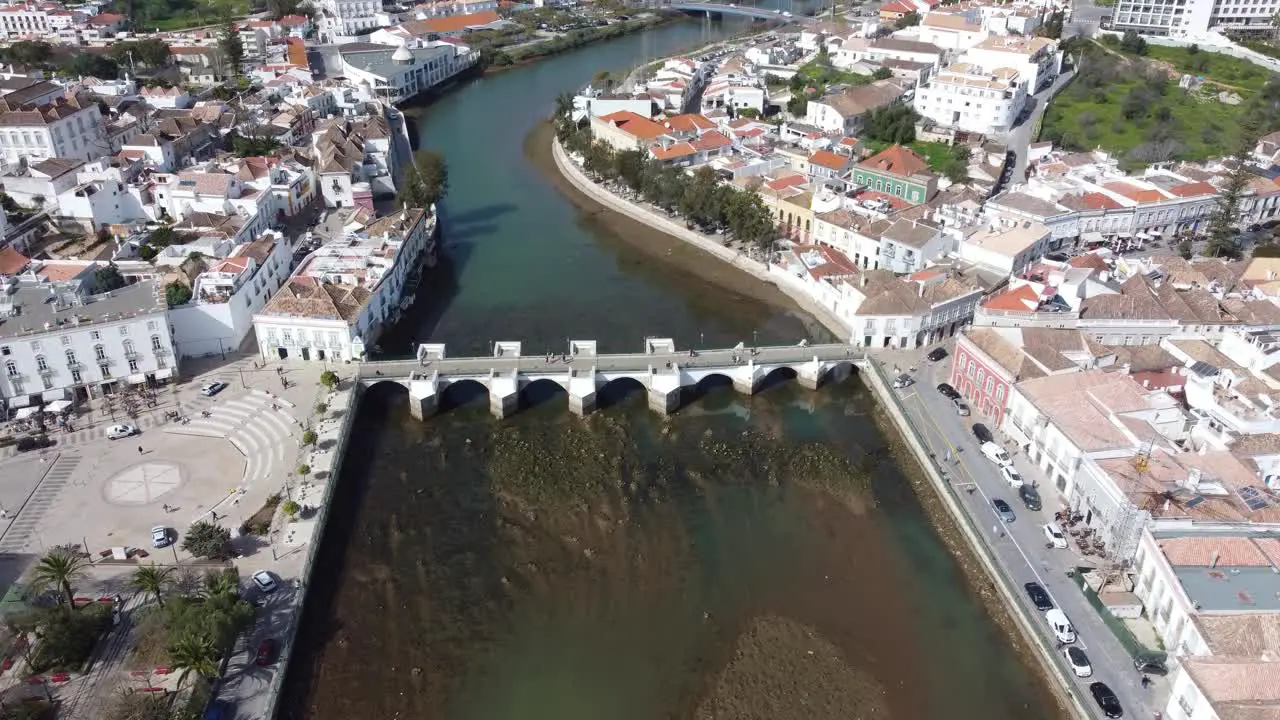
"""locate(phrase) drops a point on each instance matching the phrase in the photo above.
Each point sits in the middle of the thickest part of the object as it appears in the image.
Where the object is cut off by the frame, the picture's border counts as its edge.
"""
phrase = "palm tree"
(194, 653)
(564, 104)
(152, 579)
(221, 583)
(58, 569)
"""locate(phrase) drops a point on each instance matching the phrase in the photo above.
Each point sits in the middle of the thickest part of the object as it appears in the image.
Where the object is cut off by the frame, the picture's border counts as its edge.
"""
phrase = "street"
(1019, 139)
(1020, 545)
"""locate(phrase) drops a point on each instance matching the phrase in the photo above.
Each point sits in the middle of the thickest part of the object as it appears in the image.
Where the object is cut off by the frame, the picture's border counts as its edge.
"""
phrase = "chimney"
(920, 288)
(1126, 368)
(1193, 479)
(1213, 559)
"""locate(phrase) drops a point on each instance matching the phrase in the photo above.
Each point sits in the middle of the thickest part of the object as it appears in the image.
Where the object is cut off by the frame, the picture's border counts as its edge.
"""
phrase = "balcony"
(46, 371)
(161, 351)
(132, 355)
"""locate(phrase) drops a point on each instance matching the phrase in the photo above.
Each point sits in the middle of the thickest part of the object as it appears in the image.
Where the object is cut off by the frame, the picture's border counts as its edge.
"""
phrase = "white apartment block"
(21, 20)
(395, 74)
(1191, 18)
(225, 297)
(60, 340)
(345, 294)
(346, 18)
(1037, 60)
(965, 97)
(62, 129)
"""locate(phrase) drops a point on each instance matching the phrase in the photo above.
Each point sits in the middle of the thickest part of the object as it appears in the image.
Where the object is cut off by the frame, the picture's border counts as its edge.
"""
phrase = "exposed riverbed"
(755, 557)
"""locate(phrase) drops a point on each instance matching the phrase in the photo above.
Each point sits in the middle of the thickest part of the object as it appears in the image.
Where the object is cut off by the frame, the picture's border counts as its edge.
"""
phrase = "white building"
(395, 74)
(1036, 60)
(225, 297)
(966, 97)
(1006, 248)
(62, 129)
(63, 339)
(1193, 18)
(344, 295)
(346, 18)
(22, 20)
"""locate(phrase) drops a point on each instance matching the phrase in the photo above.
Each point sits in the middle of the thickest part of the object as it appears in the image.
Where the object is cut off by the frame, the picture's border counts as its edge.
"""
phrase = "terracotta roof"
(635, 125)
(1099, 201)
(306, 296)
(1134, 193)
(454, 23)
(690, 122)
(1193, 189)
(1024, 298)
(1089, 260)
(828, 159)
(12, 262)
(897, 160)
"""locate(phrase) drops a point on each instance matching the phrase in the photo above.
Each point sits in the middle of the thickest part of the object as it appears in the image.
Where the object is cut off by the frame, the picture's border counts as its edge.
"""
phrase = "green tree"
(106, 279)
(598, 161)
(882, 73)
(92, 65)
(893, 124)
(1267, 250)
(129, 705)
(1185, 248)
(309, 437)
(911, 19)
(208, 540)
(221, 584)
(176, 293)
(28, 52)
(1133, 43)
(291, 508)
(194, 653)
(249, 146)
(425, 181)
(1052, 28)
(304, 470)
(1223, 231)
(564, 105)
(59, 569)
(698, 202)
(798, 105)
(152, 579)
(628, 165)
(232, 48)
(329, 379)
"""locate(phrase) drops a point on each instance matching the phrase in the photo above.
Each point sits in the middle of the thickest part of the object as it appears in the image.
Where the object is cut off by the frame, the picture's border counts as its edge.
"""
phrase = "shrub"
(329, 379)
(321, 408)
(291, 508)
(67, 638)
(309, 437)
(208, 540)
(304, 470)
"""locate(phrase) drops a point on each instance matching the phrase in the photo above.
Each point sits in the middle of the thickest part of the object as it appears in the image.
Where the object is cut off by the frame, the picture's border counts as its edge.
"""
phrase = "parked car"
(264, 581)
(212, 388)
(34, 442)
(123, 430)
(936, 354)
(1106, 700)
(1060, 626)
(1053, 534)
(982, 434)
(161, 537)
(1011, 476)
(1030, 497)
(995, 453)
(903, 380)
(1039, 597)
(1078, 661)
(1151, 665)
(1003, 510)
(947, 391)
(266, 652)
(961, 409)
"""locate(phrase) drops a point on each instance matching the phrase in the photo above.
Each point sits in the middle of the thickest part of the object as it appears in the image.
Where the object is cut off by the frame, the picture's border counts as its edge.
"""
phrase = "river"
(758, 557)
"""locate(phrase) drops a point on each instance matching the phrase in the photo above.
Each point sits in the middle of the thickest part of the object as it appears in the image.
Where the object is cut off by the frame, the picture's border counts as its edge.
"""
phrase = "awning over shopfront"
(1092, 237)
(57, 406)
(164, 373)
(1017, 435)
(26, 412)
(51, 395)
(137, 379)
(20, 401)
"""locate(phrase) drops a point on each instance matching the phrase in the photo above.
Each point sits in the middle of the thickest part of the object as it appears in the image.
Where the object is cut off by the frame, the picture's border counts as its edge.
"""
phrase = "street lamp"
(754, 341)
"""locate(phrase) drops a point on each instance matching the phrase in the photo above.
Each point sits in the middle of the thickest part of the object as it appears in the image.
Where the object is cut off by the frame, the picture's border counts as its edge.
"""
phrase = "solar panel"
(1194, 501)
(1252, 498)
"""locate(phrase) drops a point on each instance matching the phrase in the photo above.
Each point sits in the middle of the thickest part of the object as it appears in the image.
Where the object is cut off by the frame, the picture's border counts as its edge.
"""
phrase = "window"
(4, 350)
(95, 335)
(99, 352)
(75, 377)
(124, 330)
(133, 366)
(48, 382)
(152, 325)
(11, 369)
(105, 370)
(71, 358)
(41, 363)
(66, 340)
(990, 385)
(1000, 393)
(128, 348)
(155, 343)
(35, 346)
(969, 372)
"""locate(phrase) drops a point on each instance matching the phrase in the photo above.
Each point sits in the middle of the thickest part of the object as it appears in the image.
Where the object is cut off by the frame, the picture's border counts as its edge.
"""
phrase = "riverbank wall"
(760, 270)
(1049, 660)
(332, 433)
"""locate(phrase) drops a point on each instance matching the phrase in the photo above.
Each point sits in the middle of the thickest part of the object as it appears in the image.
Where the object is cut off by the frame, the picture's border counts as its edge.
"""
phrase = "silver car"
(961, 409)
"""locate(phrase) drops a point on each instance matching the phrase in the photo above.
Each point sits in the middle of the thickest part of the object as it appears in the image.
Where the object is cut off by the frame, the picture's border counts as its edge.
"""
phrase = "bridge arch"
(543, 391)
(618, 390)
(462, 392)
(778, 376)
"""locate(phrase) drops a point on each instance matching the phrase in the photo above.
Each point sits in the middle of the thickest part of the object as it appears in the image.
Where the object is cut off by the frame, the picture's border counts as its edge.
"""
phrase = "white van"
(1060, 625)
(995, 453)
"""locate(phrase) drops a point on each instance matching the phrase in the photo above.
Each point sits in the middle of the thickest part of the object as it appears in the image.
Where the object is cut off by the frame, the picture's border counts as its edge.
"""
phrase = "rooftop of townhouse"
(819, 262)
(1204, 486)
(1029, 353)
(1087, 407)
(1225, 573)
(1028, 45)
(974, 76)
(222, 279)
(1008, 240)
(29, 308)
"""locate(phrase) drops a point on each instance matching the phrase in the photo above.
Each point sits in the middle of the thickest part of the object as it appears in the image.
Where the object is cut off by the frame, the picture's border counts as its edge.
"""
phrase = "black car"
(981, 432)
(948, 391)
(1151, 666)
(1038, 596)
(1030, 497)
(936, 354)
(1106, 700)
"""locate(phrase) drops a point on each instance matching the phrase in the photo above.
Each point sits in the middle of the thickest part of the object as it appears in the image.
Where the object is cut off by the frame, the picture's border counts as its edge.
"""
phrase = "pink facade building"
(978, 376)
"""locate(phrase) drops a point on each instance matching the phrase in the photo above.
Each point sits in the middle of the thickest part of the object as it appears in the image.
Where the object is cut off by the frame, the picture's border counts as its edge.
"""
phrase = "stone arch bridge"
(665, 372)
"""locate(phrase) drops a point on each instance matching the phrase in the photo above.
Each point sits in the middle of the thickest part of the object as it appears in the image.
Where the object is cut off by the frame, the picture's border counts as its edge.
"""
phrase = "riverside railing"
(939, 477)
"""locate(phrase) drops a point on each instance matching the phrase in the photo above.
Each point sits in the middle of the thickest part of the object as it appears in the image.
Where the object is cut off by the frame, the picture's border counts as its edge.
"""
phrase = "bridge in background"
(733, 9)
(666, 373)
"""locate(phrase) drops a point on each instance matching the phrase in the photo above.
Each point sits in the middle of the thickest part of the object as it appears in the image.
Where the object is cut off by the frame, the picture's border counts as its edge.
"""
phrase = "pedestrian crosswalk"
(258, 425)
(17, 538)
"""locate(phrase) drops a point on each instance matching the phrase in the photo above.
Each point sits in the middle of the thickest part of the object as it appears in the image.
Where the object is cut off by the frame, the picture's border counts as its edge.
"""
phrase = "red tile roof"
(828, 159)
(898, 160)
(1099, 201)
(711, 141)
(12, 262)
(1194, 189)
(898, 6)
(635, 125)
(454, 23)
(689, 123)
(671, 152)
(1134, 193)
(1022, 299)
(786, 182)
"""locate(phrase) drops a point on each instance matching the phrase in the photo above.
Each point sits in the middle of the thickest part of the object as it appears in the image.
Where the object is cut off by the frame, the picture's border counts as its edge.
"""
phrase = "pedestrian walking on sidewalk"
(139, 449)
